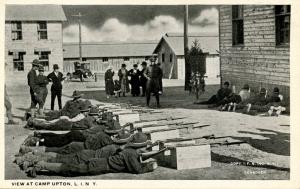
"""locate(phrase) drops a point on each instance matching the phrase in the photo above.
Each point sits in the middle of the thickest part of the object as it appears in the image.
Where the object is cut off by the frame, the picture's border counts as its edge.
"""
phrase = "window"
(171, 57)
(126, 58)
(18, 61)
(163, 57)
(237, 25)
(104, 59)
(16, 31)
(44, 59)
(42, 30)
(282, 16)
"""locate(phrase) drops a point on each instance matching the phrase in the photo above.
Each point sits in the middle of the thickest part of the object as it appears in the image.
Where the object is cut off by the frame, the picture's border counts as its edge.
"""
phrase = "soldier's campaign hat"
(35, 62)
(144, 63)
(55, 66)
(123, 136)
(113, 128)
(123, 65)
(76, 94)
(135, 65)
(94, 111)
(139, 140)
(41, 68)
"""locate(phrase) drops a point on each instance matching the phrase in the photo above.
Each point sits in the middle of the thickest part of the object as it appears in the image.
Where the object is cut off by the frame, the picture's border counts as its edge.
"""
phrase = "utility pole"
(186, 49)
(79, 15)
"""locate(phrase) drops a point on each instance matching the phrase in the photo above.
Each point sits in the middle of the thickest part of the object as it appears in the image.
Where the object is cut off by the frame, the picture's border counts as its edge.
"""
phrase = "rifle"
(226, 143)
(177, 127)
(161, 119)
(211, 144)
(146, 155)
(168, 124)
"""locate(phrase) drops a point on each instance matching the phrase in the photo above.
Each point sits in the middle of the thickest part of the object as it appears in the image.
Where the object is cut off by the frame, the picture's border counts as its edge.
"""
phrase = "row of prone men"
(96, 144)
(261, 103)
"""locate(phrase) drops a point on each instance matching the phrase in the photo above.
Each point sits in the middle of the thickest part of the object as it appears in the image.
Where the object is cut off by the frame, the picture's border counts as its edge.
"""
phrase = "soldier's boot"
(157, 101)
(41, 113)
(32, 112)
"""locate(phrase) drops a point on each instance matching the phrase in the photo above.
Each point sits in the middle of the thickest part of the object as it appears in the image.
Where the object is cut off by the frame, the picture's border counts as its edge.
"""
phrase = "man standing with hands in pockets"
(32, 78)
(56, 77)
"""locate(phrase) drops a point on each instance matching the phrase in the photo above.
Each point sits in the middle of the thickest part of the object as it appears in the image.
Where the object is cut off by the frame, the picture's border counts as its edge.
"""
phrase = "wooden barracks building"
(33, 32)
(102, 54)
(254, 46)
(170, 52)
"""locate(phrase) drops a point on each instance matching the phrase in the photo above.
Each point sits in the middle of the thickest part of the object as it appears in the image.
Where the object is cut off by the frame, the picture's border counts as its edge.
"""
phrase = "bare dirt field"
(265, 156)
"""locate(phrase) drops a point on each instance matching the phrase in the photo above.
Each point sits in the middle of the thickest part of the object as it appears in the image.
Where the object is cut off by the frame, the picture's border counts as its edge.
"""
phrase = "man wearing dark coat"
(135, 80)
(109, 83)
(56, 77)
(31, 78)
(143, 79)
(153, 74)
(41, 91)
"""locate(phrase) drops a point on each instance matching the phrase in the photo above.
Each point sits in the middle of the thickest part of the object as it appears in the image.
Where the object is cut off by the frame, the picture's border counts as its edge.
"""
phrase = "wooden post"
(186, 50)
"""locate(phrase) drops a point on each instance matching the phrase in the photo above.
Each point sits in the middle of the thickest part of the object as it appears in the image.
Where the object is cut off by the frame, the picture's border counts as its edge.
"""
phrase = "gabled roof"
(110, 49)
(34, 13)
(208, 42)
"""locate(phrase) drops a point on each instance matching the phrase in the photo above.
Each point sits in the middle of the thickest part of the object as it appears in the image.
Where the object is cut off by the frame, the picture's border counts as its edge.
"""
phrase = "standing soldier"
(143, 79)
(56, 77)
(31, 78)
(135, 80)
(123, 78)
(8, 107)
(42, 91)
(153, 74)
(160, 80)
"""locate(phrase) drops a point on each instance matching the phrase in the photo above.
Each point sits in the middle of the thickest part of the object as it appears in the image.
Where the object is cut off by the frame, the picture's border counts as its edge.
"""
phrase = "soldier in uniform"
(143, 78)
(128, 159)
(31, 78)
(41, 90)
(153, 74)
(71, 109)
(56, 77)
(8, 107)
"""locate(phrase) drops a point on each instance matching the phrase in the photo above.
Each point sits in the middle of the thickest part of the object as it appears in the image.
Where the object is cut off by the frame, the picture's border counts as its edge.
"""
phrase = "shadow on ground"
(227, 159)
(277, 142)
(173, 97)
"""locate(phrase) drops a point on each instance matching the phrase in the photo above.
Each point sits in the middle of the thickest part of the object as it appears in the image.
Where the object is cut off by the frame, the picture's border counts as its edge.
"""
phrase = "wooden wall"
(98, 66)
(259, 62)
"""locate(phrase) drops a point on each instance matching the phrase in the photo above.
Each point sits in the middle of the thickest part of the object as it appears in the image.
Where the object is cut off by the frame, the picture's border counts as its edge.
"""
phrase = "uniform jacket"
(56, 81)
(31, 78)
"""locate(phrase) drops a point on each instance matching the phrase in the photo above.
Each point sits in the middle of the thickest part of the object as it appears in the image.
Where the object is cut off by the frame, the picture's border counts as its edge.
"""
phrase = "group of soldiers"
(38, 82)
(149, 78)
(95, 144)
(227, 99)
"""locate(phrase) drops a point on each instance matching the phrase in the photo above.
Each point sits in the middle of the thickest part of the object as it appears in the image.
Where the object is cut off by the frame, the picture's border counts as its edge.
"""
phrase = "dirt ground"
(265, 156)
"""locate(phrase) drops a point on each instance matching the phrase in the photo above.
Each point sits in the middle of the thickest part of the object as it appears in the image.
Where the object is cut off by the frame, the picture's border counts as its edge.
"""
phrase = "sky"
(136, 22)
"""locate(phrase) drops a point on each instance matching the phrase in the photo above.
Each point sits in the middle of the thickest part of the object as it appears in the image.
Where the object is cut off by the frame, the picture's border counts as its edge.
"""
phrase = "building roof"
(208, 42)
(110, 49)
(34, 13)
